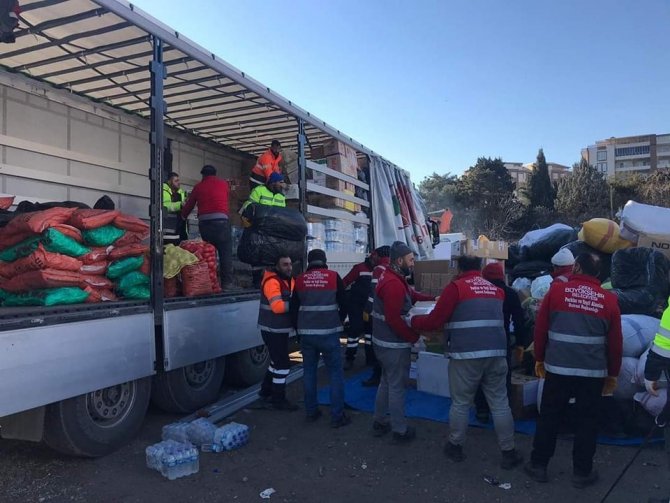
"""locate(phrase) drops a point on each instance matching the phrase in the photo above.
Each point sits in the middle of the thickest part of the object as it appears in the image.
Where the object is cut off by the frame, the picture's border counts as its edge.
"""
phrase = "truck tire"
(99, 422)
(247, 367)
(189, 388)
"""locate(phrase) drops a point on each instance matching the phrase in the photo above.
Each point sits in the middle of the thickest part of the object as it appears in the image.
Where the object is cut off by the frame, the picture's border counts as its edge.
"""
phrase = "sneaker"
(401, 438)
(348, 364)
(343, 420)
(284, 405)
(380, 429)
(454, 452)
(536, 472)
(582, 481)
(511, 459)
(310, 418)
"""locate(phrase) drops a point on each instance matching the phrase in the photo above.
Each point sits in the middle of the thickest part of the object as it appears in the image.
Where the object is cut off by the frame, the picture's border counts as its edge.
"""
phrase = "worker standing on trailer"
(383, 262)
(267, 163)
(274, 321)
(470, 310)
(358, 284)
(174, 199)
(392, 339)
(318, 309)
(578, 349)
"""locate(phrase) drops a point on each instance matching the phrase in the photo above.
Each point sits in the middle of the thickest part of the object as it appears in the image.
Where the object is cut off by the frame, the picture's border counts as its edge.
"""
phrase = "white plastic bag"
(540, 286)
(638, 333)
(627, 386)
(638, 218)
(652, 404)
(521, 284)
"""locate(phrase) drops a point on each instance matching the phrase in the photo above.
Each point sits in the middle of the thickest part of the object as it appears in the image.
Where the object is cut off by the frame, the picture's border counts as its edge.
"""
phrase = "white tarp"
(396, 209)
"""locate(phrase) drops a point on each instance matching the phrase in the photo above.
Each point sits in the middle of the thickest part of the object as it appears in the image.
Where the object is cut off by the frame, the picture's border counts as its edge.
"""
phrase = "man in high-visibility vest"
(274, 321)
(658, 361)
(174, 199)
(266, 164)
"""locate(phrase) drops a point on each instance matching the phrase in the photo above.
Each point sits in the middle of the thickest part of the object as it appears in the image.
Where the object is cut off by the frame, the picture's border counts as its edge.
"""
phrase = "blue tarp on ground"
(426, 406)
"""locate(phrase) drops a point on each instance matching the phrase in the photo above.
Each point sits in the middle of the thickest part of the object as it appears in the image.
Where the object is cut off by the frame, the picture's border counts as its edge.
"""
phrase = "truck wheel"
(99, 422)
(189, 388)
(247, 367)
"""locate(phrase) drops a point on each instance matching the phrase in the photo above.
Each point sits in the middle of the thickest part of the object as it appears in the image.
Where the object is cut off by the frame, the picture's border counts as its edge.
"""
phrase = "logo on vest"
(315, 279)
(479, 286)
(584, 298)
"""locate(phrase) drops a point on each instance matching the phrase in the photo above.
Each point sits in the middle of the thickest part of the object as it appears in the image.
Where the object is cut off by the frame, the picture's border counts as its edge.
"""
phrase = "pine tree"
(539, 190)
(582, 195)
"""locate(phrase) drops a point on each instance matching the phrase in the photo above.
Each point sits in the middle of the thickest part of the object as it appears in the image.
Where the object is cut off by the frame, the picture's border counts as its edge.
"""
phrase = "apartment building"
(623, 156)
(520, 172)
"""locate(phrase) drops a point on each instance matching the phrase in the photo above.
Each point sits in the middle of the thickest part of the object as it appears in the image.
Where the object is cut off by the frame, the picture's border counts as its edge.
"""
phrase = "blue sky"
(432, 85)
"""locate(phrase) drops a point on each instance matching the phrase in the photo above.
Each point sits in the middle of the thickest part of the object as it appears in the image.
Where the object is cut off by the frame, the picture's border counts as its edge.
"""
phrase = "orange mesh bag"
(128, 251)
(131, 238)
(37, 222)
(131, 223)
(171, 287)
(92, 219)
(96, 255)
(95, 269)
(195, 280)
(69, 231)
(38, 280)
(39, 259)
(95, 281)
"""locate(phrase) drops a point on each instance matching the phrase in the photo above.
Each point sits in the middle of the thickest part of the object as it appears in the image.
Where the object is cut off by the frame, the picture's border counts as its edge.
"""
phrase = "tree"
(583, 195)
(438, 191)
(539, 190)
(626, 189)
(656, 189)
(485, 202)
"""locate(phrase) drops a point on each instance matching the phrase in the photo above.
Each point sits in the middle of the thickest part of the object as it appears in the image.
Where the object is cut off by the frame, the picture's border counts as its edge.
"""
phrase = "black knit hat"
(399, 249)
(316, 256)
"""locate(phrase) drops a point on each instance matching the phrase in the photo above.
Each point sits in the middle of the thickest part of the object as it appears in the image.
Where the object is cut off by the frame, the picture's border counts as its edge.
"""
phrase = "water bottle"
(201, 431)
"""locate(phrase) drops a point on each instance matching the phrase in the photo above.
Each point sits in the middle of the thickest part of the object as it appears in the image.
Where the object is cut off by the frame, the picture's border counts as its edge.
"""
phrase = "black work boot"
(536, 472)
(583, 481)
(403, 438)
(380, 429)
(454, 452)
(511, 459)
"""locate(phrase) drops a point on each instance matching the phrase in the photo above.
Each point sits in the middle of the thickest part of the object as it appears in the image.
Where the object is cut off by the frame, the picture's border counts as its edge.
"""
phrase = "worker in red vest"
(357, 282)
(266, 164)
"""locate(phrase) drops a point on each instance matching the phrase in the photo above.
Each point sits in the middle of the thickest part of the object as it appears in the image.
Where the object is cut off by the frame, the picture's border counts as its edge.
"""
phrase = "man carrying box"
(471, 311)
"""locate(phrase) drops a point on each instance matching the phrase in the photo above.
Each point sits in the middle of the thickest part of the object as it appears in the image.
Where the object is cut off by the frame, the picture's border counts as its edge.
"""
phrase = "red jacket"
(392, 289)
(563, 296)
(211, 196)
(445, 307)
(355, 273)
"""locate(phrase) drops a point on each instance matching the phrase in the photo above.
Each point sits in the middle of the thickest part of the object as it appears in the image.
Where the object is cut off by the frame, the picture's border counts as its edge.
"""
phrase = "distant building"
(521, 172)
(618, 157)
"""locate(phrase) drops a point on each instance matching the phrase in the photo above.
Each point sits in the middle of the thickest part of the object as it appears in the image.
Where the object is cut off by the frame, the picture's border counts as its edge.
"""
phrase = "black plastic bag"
(635, 267)
(258, 249)
(531, 269)
(546, 247)
(104, 203)
(284, 223)
(579, 247)
(640, 300)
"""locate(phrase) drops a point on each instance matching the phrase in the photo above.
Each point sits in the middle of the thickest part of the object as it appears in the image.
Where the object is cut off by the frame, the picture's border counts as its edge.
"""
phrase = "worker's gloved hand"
(652, 387)
(609, 386)
(366, 317)
(539, 370)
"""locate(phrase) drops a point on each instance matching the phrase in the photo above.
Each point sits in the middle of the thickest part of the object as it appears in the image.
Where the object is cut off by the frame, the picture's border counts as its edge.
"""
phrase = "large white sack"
(638, 218)
(627, 386)
(532, 237)
(638, 333)
(540, 286)
(639, 375)
(652, 404)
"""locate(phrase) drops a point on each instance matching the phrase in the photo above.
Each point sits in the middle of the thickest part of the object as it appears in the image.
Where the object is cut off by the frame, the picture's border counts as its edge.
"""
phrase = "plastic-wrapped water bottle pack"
(173, 459)
(227, 438)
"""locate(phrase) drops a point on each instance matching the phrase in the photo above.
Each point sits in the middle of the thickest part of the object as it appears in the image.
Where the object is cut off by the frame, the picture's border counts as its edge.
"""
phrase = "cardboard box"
(363, 162)
(317, 152)
(487, 249)
(523, 399)
(292, 191)
(343, 164)
(432, 374)
(431, 276)
(658, 243)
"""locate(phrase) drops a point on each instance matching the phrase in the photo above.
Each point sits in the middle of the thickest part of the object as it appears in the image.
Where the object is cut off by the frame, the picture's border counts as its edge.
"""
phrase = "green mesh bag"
(124, 266)
(49, 297)
(135, 292)
(102, 236)
(132, 279)
(57, 242)
(20, 250)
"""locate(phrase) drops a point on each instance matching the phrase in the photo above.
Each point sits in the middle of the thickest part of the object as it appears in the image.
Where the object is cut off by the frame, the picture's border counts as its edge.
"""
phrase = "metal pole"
(302, 173)
(157, 144)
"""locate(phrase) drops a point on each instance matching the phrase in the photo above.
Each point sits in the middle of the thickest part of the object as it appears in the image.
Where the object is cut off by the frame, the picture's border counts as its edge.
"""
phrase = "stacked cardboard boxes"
(341, 157)
(431, 276)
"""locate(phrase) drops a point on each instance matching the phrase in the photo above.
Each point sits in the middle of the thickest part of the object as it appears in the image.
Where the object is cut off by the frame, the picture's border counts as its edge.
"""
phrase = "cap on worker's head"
(275, 143)
(208, 170)
(275, 177)
(494, 272)
(563, 257)
(399, 249)
(383, 251)
(316, 256)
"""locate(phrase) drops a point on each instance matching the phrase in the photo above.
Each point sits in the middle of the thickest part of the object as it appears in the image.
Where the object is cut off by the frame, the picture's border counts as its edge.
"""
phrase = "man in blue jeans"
(318, 309)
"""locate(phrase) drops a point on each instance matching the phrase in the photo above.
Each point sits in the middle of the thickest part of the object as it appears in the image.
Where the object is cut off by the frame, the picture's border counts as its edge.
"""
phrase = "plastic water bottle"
(176, 431)
(201, 431)
(173, 459)
(232, 436)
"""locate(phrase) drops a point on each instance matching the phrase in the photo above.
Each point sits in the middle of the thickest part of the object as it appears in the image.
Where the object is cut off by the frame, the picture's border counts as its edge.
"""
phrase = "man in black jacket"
(514, 317)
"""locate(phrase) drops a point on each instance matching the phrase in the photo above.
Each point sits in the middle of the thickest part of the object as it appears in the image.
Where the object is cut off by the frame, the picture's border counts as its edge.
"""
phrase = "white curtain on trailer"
(407, 221)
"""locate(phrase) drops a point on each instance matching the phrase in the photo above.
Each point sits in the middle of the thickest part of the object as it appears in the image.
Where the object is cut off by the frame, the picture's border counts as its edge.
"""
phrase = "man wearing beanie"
(318, 309)
(470, 309)
(392, 339)
(563, 263)
(514, 317)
